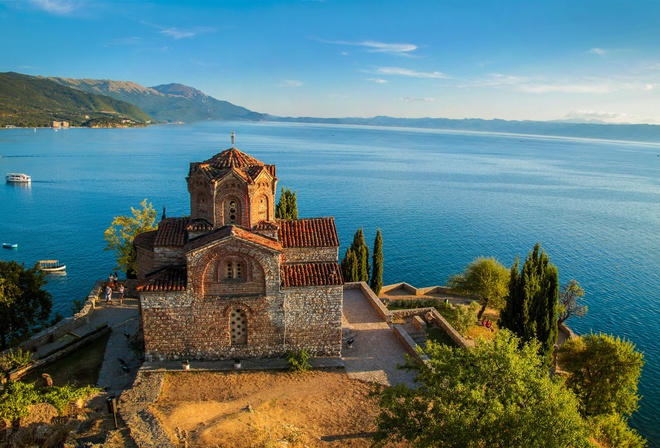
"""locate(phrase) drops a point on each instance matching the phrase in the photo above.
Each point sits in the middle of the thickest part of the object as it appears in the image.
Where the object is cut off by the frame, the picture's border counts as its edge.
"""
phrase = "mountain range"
(26, 99)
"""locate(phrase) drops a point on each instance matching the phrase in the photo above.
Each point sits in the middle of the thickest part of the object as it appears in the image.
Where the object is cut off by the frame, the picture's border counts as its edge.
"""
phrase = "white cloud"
(417, 100)
(380, 47)
(177, 33)
(377, 80)
(540, 85)
(372, 46)
(598, 51)
(397, 71)
(55, 6)
(609, 117)
(291, 83)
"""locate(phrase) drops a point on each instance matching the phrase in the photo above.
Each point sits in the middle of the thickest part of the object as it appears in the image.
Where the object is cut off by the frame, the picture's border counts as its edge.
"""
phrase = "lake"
(441, 199)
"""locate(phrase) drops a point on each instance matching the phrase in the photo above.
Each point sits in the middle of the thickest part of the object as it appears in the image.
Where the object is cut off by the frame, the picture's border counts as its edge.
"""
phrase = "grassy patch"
(80, 368)
(437, 334)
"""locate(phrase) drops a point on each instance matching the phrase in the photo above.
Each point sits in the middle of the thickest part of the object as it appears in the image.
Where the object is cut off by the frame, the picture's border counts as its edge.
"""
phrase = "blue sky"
(520, 60)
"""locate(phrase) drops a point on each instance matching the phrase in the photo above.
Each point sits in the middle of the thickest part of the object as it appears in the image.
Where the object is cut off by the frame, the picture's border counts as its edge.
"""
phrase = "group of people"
(113, 283)
(488, 324)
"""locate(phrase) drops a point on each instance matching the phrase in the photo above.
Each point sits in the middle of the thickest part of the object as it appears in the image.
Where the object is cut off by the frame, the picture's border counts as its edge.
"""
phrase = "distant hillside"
(167, 102)
(626, 132)
(29, 101)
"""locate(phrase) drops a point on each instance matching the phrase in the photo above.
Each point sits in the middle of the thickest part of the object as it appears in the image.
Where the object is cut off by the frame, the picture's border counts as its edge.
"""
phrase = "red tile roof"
(235, 160)
(145, 240)
(172, 232)
(168, 279)
(227, 231)
(266, 225)
(312, 232)
(199, 224)
(311, 274)
(233, 157)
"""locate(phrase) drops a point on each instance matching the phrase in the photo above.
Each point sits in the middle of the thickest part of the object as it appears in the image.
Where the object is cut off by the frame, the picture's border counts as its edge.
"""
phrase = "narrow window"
(230, 271)
(239, 271)
(238, 327)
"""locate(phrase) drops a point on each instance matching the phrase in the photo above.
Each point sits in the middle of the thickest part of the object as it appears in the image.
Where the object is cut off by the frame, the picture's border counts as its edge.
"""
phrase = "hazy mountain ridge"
(37, 101)
(626, 132)
(165, 102)
(180, 103)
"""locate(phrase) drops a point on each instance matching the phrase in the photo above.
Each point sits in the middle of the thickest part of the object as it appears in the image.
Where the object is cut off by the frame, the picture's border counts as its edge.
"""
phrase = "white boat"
(18, 178)
(10, 245)
(51, 266)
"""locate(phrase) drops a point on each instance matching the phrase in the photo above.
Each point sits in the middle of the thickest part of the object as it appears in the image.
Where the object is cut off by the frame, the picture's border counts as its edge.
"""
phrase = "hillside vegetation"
(29, 101)
(166, 102)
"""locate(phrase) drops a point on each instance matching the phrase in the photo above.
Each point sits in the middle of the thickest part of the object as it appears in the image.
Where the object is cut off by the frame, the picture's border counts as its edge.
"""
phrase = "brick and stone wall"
(164, 256)
(309, 254)
(314, 318)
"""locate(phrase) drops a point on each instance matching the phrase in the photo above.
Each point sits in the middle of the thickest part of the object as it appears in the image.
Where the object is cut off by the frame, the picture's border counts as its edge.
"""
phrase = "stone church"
(231, 281)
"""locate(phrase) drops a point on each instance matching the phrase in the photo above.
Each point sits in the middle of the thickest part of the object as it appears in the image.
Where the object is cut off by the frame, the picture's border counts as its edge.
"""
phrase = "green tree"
(349, 266)
(612, 431)
(531, 310)
(485, 277)
(570, 301)
(495, 394)
(377, 268)
(362, 254)
(23, 301)
(603, 371)
(122, 232)
(287, 206)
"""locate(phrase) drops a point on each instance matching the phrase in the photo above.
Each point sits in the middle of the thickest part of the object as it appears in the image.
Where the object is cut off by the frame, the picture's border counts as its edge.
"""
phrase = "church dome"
(235, 158)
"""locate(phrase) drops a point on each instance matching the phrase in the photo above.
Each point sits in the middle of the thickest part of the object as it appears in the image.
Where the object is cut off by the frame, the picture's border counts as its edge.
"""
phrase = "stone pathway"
(376, 351)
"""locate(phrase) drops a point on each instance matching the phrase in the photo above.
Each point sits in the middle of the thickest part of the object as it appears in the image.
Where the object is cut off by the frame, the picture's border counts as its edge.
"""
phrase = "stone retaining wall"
(66, 325)
(409, 344)
(373, 299)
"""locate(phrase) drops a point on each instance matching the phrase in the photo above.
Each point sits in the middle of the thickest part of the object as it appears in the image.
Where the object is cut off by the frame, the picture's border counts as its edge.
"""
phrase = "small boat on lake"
(51, 266)
(18, 178)
(10, 245)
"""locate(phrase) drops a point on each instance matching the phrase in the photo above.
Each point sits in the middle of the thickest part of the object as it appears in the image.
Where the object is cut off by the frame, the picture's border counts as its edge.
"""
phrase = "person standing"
(121, 293)
(108, 294)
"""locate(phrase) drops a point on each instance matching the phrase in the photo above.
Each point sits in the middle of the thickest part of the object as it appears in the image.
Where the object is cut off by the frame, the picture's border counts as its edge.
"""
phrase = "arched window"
(234, 270)
(262, 208)
(232, 212)
(238, 327)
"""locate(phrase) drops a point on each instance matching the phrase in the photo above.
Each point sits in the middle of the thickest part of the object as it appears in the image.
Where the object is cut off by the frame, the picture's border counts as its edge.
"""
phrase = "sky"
(507, 59)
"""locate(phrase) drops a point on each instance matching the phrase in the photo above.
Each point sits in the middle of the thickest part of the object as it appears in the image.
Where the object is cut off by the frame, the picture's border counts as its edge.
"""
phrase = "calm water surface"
(441, 199)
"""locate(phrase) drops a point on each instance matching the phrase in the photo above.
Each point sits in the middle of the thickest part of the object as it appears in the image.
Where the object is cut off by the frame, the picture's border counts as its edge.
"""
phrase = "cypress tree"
(349, 266)
(362, 254)
(531, 309)
(377, 268)
(287, 206)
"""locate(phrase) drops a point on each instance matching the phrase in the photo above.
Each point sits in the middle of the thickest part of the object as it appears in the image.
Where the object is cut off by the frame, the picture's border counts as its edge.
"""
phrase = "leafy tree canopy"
(495, 394)
(570, 301)
(122, 232)
(287, 206)
(485, 277)
(603, 371)
(23, 301)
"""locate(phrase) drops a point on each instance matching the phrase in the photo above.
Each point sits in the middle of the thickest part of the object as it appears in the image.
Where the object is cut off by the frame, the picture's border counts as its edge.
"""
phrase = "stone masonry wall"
(168, 256)
(314, 319)
(176, 326)
(309, 254)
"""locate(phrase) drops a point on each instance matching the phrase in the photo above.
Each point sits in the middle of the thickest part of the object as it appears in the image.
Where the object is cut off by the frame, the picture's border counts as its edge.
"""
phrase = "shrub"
(13, 359)
(466, 316)
(299, 360)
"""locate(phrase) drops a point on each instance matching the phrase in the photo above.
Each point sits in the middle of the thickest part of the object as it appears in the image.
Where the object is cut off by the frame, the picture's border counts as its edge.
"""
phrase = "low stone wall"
(402, 285)
(373, 299)
(409, 344)
(66, 325)
(453, 334)
(60, 353)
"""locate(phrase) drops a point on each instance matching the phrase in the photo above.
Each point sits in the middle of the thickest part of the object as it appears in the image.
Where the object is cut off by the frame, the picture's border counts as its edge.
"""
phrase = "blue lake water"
(441, 199)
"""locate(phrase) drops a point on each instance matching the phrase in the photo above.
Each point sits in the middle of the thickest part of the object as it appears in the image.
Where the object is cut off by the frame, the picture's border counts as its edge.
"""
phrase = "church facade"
(231, 281)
